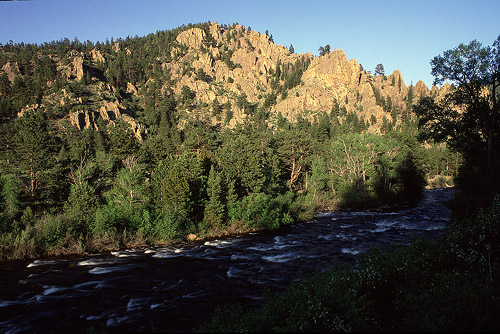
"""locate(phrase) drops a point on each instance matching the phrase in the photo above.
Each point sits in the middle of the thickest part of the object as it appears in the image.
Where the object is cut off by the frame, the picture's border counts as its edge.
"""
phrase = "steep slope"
(212, 71)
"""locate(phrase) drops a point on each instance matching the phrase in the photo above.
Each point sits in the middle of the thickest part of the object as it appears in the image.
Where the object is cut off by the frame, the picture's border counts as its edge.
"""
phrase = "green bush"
(262, 211)
(51, 231)
(165, 227)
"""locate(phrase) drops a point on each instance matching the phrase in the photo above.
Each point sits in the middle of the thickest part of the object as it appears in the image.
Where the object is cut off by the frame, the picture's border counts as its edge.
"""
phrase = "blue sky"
(402, 34)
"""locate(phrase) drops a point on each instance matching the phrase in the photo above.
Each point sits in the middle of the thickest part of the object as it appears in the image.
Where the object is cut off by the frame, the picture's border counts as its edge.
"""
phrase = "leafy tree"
(33, 146)
(10, 195)
(467, 119)
(473, 68)
(412, 179)
(214, 210)
(81, 206)
(199, 136)
(179, 185)
(294, 148)
(379, 70)
(129, 194)
(123, 141)
(242, 160)
(324, 50)
(319, 180)
(355, 157)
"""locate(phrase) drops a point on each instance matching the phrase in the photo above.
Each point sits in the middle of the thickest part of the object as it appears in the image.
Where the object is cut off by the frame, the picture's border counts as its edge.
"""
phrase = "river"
(175, 289)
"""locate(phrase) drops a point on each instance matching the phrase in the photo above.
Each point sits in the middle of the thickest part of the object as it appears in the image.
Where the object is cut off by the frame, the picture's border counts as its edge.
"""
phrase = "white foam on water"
(166, 253)
(149, 251)
(106, 270)
(5, 303)
(262, 248)
(409, 226)
(135, 304)
(116, 321)
(435, 227)
(255, 297)
(50, 289)
(233, 272)
(352, 251)
(42, 298)
(37, 263)
(100, 270)
(325, 237)
(383, 225)
(153, 306)
(93, 317)
(193, 295)
(280, 257)
(97, 285)
(219, 243)
(95, 262)
(235, 257)
(127, 253)
(210, 243)
(341, 236)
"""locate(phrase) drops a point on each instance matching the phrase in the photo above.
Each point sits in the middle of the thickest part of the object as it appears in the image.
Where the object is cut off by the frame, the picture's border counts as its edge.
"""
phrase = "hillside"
(201, 131)
(209, 70)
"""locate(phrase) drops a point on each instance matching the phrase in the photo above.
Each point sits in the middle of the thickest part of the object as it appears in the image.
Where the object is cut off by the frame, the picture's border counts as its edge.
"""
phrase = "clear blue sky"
(399, 34)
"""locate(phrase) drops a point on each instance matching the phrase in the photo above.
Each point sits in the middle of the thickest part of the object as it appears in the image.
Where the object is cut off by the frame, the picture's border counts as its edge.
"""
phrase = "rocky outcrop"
(11, 69)
(192, 38)
(109, 112)
(83, 119)
(223, 65)
(97, 56)
(330, 80)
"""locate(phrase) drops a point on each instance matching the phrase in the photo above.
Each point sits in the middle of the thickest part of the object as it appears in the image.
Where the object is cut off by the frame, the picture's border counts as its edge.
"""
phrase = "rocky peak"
(221, 66)
(421, 89)
(192, 38)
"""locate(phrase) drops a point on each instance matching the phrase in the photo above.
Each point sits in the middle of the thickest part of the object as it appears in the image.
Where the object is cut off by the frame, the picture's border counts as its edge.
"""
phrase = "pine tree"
(214, 210)
(33, 145)
(379, 70)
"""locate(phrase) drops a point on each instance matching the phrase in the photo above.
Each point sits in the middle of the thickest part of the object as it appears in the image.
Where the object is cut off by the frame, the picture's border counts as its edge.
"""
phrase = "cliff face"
(223, 65)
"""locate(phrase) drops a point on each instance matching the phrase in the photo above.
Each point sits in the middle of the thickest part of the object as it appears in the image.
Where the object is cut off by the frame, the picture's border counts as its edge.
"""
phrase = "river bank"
(113, 242)
(177, 287)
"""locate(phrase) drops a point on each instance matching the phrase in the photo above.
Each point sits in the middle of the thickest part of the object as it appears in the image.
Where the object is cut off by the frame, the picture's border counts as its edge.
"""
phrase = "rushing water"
(176, 289)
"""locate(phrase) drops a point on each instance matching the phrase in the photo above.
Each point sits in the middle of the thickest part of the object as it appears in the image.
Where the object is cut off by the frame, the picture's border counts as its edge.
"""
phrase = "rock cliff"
(231, 66)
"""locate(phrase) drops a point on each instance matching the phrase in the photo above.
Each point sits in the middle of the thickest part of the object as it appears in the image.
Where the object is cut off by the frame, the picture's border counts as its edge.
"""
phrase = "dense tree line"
(95, 184)
(66, 190)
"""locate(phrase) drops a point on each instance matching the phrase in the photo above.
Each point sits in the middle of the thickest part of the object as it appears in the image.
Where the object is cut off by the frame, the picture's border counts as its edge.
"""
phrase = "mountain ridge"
(213, 71)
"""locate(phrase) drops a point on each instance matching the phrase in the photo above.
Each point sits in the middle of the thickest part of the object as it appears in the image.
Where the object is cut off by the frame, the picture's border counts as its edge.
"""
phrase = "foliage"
(467, 119)
(178, 171)
(323, 50)
(379, 70)
(11, 205)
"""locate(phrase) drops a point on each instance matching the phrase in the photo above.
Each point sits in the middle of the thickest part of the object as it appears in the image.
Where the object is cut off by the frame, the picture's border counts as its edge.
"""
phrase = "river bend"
(174, 289)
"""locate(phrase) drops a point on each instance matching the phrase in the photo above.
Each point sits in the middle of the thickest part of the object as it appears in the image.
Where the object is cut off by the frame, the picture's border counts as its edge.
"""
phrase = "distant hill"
(211, 71)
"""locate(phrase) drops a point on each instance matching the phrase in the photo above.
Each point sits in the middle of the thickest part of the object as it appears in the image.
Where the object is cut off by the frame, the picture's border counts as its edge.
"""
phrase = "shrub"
(165, 228)
(262, 211)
